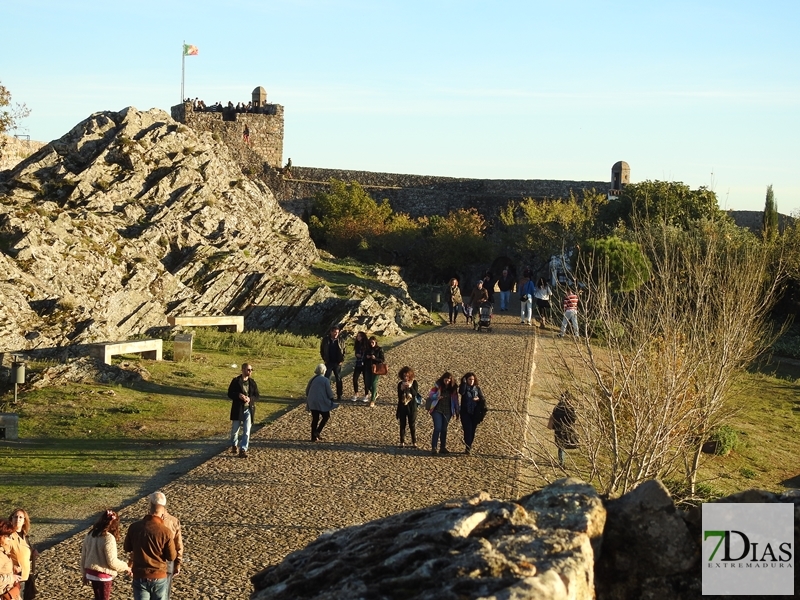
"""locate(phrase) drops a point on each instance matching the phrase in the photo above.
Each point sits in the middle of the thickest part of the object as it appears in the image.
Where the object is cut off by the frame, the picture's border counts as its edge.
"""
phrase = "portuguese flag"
(189, 50)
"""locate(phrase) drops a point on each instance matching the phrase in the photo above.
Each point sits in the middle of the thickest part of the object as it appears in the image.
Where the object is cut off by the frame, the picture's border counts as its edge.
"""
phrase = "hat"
(480, 281)
(157, 498)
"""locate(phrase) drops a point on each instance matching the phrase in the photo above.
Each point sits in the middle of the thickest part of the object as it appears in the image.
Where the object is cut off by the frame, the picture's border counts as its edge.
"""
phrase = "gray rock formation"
(131, 217)
(477, 548)
(560, 542)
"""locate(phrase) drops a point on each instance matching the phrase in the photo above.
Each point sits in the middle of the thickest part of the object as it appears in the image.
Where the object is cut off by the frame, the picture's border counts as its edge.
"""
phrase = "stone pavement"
(241, 515)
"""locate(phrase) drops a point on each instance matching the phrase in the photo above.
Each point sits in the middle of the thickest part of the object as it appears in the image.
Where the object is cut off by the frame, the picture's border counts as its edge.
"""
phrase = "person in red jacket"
(570, 313)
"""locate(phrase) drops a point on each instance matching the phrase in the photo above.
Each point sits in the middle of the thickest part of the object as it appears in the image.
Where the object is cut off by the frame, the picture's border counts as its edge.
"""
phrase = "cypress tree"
(770, 224)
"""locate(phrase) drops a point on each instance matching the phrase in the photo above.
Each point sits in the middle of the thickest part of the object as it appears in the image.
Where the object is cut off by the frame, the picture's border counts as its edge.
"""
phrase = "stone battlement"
(265, 127)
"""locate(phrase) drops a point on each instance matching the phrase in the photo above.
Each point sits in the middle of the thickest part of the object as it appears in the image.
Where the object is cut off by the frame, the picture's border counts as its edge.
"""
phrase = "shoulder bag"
(380, 368)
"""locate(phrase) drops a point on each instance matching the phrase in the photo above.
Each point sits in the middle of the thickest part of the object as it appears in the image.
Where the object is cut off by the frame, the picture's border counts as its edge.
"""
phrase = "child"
(468, 313)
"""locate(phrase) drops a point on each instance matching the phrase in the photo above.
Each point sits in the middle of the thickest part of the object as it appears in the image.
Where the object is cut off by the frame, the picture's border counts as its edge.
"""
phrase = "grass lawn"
(85, 447)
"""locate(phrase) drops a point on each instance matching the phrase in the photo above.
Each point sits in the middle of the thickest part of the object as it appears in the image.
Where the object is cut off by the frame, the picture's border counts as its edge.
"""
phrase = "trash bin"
(182, 347)
(18, 370)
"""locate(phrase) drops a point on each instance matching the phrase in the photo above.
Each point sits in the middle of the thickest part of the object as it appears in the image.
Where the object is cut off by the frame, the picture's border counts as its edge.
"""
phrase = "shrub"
(726, 438)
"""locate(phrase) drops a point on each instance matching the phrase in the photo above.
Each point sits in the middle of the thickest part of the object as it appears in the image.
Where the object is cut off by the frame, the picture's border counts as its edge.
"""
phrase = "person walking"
(506, 284)
(243, 392)
(442, 405)
(473, 408)
(9, 580)
(99, 561)
(22, 552)
(359, 349)
(478, 296)
(332, 351)
(374, 365)
(319, 400)
(454, 299)
(151, 545)
(526, 289)
(174, 525)
(562, 422)
(407, 393)
(570, 313)
(488, 285)
(542, 295)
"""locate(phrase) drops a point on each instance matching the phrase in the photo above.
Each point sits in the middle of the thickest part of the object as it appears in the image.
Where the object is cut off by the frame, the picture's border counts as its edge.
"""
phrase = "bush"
(726, 438)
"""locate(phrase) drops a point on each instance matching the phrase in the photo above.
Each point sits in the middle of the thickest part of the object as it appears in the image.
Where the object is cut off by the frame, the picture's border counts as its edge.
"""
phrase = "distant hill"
(753, 219)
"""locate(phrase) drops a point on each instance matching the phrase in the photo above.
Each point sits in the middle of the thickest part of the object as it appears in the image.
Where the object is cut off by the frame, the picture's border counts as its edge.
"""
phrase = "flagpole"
(183, 67)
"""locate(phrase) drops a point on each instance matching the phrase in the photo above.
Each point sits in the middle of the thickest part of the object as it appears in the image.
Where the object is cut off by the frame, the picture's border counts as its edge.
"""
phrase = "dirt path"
(240, 515)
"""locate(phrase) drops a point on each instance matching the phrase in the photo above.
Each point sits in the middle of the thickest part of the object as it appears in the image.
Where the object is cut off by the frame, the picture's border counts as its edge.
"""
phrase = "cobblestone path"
(240, 516)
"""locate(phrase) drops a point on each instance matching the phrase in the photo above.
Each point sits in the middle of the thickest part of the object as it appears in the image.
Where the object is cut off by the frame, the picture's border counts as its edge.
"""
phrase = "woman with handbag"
(407, 394)
(454, 299)
(22, 553)
(442, 405)
(99, 562)
(374, 367)
(9, 580)
(473, 408)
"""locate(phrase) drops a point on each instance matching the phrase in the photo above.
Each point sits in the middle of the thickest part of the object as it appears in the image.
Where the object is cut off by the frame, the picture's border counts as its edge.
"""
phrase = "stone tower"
(264, 122)
(620, 176)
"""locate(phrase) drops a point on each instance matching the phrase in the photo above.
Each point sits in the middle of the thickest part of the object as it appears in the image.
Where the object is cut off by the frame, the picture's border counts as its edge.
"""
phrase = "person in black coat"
(243, 392)
(372, 357)
(562, 422)
(407, 394)
(473, 408)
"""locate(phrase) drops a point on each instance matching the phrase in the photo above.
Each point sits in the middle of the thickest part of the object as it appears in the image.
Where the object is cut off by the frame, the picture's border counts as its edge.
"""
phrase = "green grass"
(767, 423)
(84, 447)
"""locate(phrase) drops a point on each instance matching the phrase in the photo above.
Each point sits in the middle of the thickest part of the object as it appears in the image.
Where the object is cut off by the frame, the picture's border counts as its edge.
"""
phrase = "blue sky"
(703, 92)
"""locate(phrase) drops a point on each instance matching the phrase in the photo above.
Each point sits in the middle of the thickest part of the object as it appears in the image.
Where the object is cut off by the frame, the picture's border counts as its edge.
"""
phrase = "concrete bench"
(232, 320)
(150, 349)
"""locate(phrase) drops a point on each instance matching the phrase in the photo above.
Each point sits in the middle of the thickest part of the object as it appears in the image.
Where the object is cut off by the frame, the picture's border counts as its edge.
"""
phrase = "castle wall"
(266, 132)
(421, 195)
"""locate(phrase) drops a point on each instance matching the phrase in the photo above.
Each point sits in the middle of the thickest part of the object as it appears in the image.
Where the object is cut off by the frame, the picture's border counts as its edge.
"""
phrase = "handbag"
(380, 368)
(418, 399)
(551, 423)
(11, 593)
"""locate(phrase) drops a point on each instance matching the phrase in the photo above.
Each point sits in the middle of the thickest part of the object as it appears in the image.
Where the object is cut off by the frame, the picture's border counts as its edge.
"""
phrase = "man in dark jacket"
(243, 393)
(151, 545)
(506, 285)
(332, 351)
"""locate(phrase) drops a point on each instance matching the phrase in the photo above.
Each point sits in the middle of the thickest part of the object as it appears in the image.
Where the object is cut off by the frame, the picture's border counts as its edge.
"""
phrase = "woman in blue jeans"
(442, 405)
(473, 408)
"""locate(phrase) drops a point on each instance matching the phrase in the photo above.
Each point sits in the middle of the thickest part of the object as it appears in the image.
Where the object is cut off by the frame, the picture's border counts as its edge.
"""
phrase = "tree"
(667, 202)
(9, 114)
(346, 220)
(546, 227)
(651, 393)
(770, 223)
(622, 262)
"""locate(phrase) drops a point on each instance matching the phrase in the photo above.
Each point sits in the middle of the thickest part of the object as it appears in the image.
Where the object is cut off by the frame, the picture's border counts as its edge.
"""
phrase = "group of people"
(154, 546)
(17, 555)
(240, 107)
(155, 550)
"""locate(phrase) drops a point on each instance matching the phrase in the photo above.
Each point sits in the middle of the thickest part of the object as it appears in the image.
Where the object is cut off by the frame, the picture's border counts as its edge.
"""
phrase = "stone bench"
(232, 320)
(150, 349)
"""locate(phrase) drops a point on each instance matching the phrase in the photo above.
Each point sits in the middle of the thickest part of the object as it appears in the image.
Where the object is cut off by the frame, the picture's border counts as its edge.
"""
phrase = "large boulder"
(475, 548)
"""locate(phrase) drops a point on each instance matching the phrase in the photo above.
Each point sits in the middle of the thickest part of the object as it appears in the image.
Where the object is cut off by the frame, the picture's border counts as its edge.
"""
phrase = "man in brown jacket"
(174, 525)
(151, 545)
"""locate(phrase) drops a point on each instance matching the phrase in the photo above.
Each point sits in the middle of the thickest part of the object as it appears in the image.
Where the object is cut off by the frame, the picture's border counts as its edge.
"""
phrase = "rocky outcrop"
(476, 548)
(131, 217)
(560, 542)
(90, 370)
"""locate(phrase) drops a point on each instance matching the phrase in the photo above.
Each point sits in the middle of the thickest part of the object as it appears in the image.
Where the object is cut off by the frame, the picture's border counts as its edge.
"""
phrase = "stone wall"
(266, 132)
(420, 195)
